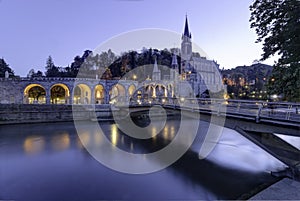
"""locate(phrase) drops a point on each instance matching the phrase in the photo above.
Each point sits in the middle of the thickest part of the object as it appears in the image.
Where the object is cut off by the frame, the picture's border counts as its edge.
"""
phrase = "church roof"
(186, 28)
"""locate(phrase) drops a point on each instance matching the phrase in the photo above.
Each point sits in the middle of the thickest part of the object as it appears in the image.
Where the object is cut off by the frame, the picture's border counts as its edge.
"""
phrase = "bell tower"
(186, 45)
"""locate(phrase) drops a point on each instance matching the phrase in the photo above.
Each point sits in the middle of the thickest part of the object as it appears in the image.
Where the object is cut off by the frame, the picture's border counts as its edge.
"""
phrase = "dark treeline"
(106, 65)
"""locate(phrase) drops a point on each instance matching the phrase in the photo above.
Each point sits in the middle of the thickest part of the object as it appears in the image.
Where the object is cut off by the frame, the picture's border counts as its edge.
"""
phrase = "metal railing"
(256, 110)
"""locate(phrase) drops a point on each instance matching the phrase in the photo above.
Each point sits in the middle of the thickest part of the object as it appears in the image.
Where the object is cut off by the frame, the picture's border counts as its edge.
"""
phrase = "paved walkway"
(285, 189)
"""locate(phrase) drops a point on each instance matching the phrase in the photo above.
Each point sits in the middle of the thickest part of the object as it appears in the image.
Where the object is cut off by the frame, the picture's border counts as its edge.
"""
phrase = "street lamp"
(134, 77)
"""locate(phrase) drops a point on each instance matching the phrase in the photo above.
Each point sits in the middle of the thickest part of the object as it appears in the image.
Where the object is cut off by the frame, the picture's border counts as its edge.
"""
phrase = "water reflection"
(60, 142)
(34, 144)
(114, 135)
(60, 176)
(236, 152)
(85, 137)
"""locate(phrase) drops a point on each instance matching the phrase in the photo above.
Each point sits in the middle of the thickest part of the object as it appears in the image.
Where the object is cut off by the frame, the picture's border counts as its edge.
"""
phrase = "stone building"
(64, 90)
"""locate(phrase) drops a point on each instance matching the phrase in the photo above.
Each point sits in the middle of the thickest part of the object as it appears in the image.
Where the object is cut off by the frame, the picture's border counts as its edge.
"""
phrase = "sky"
(32, 30)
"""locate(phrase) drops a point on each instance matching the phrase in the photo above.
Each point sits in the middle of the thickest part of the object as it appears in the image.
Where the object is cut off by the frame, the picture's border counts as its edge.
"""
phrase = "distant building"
(200, 72)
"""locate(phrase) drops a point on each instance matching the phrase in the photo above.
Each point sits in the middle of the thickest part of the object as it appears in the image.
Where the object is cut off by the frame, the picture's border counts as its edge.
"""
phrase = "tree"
(5, 67)
(32, 74)
(51, 69)
(276, 24)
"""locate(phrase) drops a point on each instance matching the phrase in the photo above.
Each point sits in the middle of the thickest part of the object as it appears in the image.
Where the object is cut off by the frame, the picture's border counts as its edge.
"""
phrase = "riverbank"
(37, 113)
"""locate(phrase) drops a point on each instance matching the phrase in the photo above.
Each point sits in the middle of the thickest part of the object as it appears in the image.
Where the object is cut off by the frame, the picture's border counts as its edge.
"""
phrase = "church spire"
(156, 72)
(186, 28)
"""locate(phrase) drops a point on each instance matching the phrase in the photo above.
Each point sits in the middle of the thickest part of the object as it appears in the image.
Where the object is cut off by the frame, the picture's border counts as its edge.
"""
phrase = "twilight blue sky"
(32, 30)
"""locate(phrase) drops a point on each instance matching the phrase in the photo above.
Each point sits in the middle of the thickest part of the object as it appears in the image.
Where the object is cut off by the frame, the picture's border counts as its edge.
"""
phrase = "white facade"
(200, 72)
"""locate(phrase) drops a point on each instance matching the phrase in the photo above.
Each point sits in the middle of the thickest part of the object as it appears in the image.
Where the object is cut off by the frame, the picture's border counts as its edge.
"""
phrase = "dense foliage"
(5, 67)
(277, 24)
(107, 65)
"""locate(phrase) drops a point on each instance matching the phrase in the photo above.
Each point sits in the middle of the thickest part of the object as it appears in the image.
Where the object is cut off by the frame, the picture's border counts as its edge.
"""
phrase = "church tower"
(156, 74)
(186, 46)
(174, 67)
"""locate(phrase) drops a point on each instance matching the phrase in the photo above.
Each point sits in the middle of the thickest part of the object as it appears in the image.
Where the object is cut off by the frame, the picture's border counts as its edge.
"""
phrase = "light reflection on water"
(235, 151)
(61, 168)
(60, 142)
(34, 144)
(293, 140)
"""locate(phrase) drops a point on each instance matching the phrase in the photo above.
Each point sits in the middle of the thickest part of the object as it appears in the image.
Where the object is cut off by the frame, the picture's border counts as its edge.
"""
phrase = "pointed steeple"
(186, 28)
(156, 72)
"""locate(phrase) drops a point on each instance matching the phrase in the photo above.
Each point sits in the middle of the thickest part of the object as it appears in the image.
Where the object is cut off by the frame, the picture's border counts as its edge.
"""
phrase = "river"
(49, 162)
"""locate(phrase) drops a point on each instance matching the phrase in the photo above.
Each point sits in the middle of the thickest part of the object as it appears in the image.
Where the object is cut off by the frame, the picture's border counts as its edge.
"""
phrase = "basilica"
(194, 75)
(194, 72)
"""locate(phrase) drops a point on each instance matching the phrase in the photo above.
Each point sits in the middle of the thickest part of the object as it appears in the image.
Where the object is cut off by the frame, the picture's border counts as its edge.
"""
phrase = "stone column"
(93, 100)
(48, 95)
(71, 97)
(106, 97)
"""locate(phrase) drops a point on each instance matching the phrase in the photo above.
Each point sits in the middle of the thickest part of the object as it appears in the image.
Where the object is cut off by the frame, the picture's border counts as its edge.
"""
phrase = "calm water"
(49, 162)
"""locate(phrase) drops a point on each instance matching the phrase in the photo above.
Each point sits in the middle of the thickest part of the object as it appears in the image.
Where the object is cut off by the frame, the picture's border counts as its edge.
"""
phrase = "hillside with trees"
(107, 65)
(248, 82)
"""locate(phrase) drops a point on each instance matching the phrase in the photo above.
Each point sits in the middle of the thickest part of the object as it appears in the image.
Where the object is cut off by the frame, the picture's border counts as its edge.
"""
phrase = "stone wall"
(38, 113)
(10, 91)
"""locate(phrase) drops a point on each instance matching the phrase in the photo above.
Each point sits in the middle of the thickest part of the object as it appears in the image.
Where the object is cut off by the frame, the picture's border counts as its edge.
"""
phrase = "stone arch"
(117, 93)
(99, 93)
(59, 94)
(160, 91)
(34, 94)
(131, 90)
(81, 94)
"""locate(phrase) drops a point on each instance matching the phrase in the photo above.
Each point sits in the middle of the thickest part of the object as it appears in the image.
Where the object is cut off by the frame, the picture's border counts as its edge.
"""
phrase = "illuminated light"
(172, 133)
(166, 132)
(182, 99)
(114, 134)
(33, 144)
(98, 95)
(134, 77)
(61, 142)
(163, 100)
(226, 96)
(153, 132)
(150, 102)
